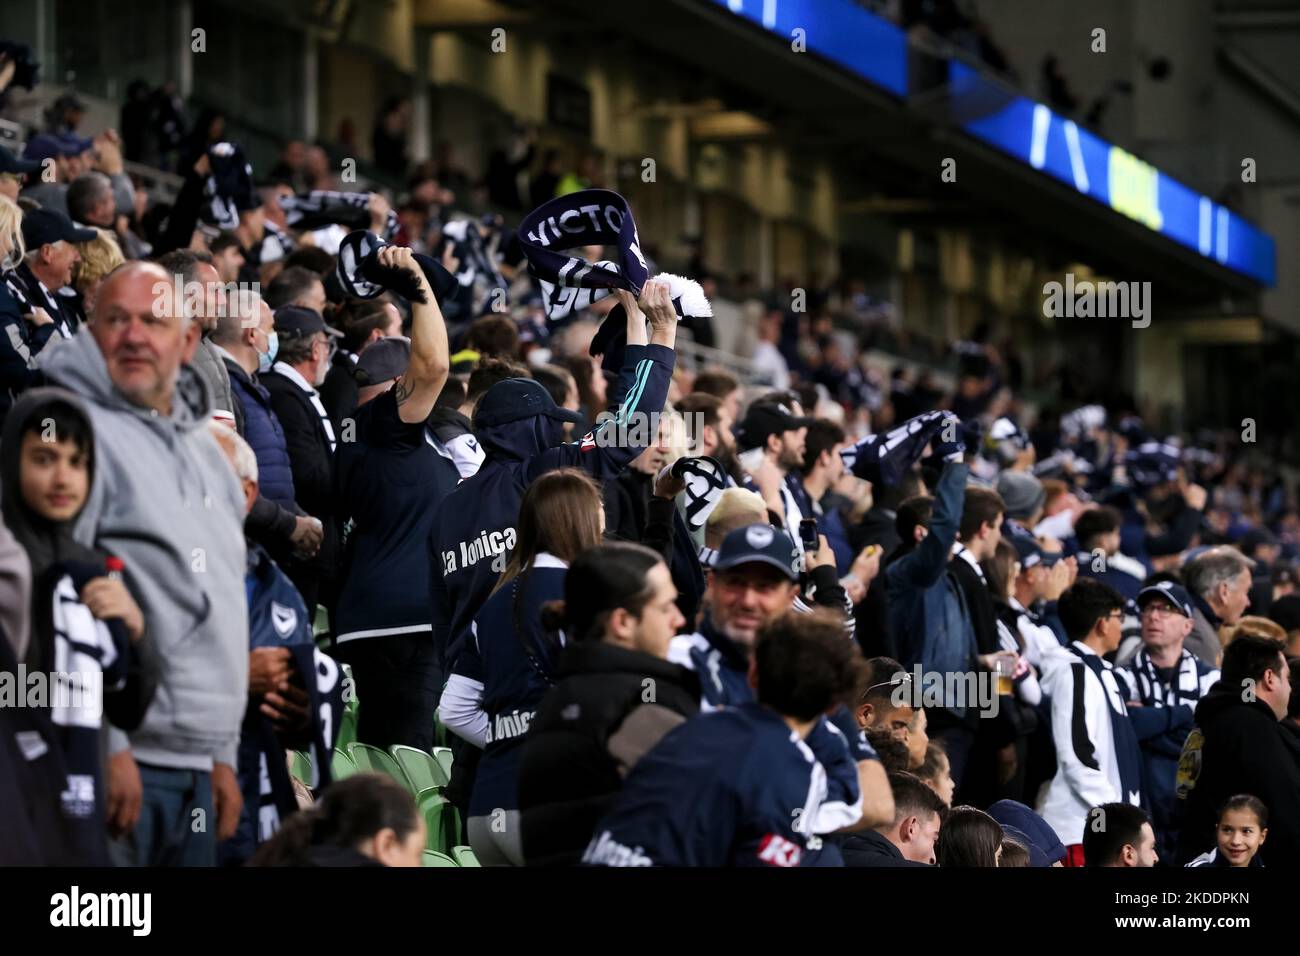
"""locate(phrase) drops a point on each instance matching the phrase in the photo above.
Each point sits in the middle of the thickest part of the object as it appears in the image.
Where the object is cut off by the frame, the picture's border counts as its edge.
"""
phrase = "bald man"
(164, 498)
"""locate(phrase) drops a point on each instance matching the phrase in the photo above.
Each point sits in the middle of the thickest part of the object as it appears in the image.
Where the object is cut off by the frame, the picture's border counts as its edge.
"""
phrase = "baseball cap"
(1031, 553)
(297, 320)
(42, 226)
(1175, 594)
(44, 146)
(73, 145)
(759, 544)
(763, 420)
(383, 360)
(517, 398)
(10, 163)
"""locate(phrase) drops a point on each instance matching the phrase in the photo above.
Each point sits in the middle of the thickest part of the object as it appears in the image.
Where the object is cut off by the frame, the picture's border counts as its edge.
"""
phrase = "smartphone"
(808, 534)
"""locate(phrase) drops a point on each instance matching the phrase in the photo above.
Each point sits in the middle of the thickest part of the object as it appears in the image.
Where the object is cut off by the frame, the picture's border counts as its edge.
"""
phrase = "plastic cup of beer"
(1004, 667)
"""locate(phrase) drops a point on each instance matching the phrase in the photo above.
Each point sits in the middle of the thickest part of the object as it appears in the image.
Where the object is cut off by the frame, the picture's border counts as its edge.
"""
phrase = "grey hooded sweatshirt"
(165, 499)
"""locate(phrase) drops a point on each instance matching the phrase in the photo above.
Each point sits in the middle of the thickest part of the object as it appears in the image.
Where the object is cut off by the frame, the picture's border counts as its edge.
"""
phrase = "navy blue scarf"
(884, 459)
(589, 217)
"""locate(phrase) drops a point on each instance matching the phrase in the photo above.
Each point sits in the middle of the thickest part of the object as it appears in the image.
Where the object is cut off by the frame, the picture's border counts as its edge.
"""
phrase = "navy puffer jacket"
(261, 429)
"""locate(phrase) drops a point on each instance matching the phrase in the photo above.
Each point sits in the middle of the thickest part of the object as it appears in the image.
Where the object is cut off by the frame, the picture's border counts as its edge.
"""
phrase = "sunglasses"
(897, 681)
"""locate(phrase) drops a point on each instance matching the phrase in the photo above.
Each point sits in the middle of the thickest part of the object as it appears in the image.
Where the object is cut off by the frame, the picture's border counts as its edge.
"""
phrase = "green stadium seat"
(373, 760)
(434, 858)
(301, 767)
(440, 817)
(464, 856)
(342, 765)
(421, 768)
(443, 756)
(347, 728)
(351, 709)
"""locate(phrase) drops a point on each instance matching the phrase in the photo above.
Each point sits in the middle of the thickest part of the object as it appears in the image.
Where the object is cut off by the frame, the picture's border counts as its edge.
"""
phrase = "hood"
(522, 439)
(1016, 815)
(79, 366)
(44, 542)
(1220, 699)
(448, 423)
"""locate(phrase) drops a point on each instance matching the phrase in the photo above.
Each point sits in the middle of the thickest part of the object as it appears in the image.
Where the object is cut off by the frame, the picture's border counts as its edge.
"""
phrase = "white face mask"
(266, 359)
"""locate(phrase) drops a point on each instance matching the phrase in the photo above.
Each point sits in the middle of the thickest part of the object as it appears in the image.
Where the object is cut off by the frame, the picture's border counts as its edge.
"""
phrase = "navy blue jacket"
(515, 660)
(928, 617)
(20, 342)
(726, 788)
(723, 669)
(474, 531)
(262, 431)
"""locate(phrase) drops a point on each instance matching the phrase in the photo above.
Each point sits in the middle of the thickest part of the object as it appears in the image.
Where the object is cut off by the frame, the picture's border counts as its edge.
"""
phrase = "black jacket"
(979, 601)
(1240, 747)
(567, 775)
(340, 391)
(311, 460)
(869, 848)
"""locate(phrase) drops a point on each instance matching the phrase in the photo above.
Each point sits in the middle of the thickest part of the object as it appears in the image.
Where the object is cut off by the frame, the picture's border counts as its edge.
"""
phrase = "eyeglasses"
(1158, 610)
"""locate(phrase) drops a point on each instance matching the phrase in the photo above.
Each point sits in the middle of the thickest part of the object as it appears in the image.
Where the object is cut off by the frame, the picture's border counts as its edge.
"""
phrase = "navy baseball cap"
(1031, 553)
(1175, 594)
(515, 399)
(759, 544)
(11, 164)
(74, 145)
(297, 320)
(763, 420)
(383, 360)
(42, 226)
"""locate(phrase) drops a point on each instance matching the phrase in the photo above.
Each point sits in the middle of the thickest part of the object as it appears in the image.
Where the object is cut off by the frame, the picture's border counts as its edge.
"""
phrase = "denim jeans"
(177, 825)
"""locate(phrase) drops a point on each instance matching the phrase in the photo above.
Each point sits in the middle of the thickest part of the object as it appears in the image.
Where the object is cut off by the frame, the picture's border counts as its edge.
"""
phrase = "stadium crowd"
(386, 454)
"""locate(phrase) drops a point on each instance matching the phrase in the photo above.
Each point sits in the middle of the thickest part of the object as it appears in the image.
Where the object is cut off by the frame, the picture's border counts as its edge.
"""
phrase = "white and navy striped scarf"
(325, 207)
(1193, 681)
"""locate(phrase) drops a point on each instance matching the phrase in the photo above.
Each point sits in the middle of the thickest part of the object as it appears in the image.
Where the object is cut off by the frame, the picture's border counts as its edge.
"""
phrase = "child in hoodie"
(85, 624)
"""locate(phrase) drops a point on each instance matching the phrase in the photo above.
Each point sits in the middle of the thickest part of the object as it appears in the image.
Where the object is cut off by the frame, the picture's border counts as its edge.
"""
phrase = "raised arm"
(420, 385)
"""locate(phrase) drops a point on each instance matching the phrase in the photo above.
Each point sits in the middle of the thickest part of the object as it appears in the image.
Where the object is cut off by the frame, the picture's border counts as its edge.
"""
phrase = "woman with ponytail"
(501, 675)
(363, 820)
(616, 695)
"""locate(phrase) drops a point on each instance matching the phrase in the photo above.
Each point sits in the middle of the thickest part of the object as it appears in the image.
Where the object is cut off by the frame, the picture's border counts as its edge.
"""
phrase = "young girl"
(969, 837)
(84, 625)
(1242, 830)
(935, 772)
(499, 677)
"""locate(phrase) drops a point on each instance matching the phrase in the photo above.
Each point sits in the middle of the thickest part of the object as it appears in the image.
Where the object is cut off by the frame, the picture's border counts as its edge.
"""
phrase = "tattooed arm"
(419, 386)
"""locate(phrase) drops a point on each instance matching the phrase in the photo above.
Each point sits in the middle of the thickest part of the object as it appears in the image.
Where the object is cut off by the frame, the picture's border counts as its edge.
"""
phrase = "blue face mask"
(266, 359)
